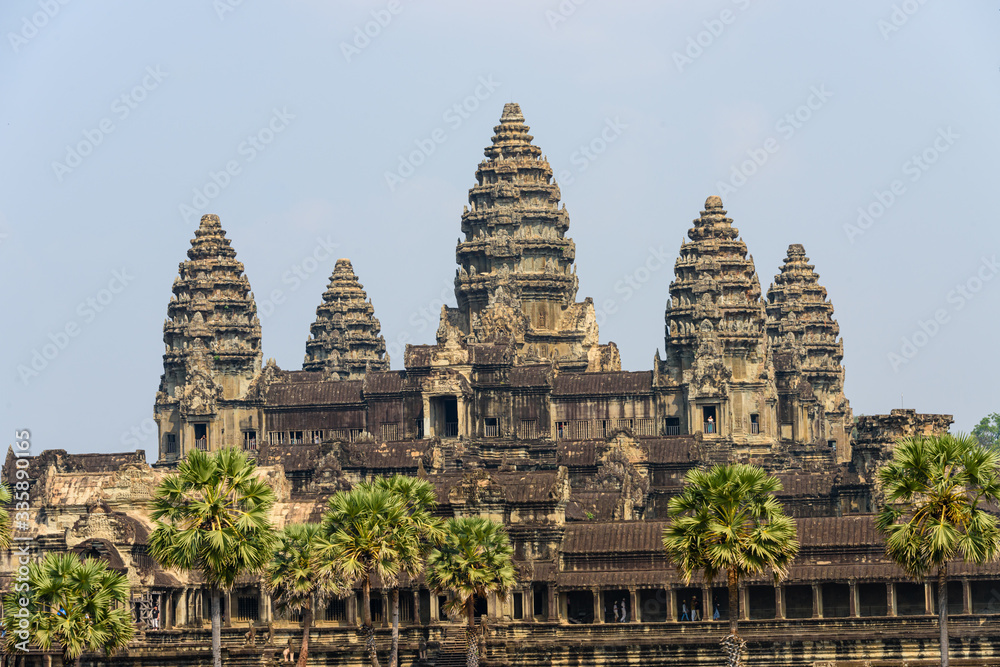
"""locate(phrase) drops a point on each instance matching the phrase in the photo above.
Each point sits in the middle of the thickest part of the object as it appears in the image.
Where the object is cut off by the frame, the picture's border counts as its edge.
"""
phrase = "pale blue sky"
(665, 132)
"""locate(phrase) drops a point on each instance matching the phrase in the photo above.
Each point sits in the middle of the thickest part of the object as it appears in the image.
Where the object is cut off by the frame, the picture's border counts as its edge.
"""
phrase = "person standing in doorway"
(715, 613)
(624, 612)
(684, 610)
(695, 609)
(616, 611)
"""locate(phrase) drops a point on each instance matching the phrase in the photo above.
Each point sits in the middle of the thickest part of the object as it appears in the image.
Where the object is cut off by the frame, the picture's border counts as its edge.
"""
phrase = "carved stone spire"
(716, 290)
(212, 327)
(516, 282)
(800, 317)
(515, 232)
(805, 339)
(345, 338)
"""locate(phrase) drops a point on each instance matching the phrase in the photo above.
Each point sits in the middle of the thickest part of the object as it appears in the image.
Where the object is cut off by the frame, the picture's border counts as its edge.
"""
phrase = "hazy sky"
(353, 129)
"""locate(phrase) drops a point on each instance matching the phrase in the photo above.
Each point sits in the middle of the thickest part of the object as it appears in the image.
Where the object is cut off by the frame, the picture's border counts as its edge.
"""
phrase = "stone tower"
(345, 338)
(808, 353)
(516, 279)
(716, 345)
(213, 353)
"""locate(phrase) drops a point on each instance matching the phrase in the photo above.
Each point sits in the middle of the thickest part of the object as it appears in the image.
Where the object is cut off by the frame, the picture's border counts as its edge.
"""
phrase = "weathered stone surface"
(516, 411)
(345, 340)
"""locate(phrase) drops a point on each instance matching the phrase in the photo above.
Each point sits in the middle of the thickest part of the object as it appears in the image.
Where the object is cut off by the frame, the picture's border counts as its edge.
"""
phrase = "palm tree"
(935, 488)
(213, 515)
(79, 605)
(366, 532)
(727, 519)
(420, 499)
(475, 559)
(6, 538)
(295, 582)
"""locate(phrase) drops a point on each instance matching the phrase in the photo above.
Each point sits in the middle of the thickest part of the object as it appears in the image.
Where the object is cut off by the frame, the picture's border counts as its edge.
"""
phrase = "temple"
(517, 411)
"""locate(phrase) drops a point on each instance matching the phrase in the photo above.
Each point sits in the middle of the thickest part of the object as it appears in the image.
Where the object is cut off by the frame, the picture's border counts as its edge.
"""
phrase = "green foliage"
(213, 516)
(5, 525)
(291, 576)
(474, 559)
(937, 492)
(987, 431)
(727, 519)
(364, 532)
(78, 605)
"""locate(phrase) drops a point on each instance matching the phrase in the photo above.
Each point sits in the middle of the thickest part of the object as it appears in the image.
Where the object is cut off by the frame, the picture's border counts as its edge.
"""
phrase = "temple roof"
(345, 341)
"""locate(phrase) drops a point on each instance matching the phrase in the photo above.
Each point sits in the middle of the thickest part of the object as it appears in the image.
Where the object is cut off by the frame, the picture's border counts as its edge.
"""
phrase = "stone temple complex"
(518, 411)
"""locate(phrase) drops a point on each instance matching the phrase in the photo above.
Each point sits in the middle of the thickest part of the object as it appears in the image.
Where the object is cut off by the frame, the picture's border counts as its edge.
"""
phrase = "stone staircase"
(452, 651)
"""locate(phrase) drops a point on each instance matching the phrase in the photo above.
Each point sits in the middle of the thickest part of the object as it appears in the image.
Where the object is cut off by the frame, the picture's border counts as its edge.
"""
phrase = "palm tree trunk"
(216, 627)
(366, 615)
(307, 619)
(394, 653)
(732, 645)
(471, 647)
(942, 601)
(734, 603)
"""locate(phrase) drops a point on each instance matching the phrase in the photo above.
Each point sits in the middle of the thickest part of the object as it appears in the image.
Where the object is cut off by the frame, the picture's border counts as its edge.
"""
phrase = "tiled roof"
(617, 383)
(326, 392)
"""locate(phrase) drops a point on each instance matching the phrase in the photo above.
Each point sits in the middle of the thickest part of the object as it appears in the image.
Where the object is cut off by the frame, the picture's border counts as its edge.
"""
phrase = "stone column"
(966, 597)
(386, 610)
(633, 605)
(928, 598)
(817, 601)
(352, 608)
(779, 602)
(706, 603)
(598, 608)
(180, 609)
(462, 421)
(671, 603)
(554, 616)
(227, 613)
(890, 598)
(855, 602)
(744, 606)
(416, 607)
(427, 417)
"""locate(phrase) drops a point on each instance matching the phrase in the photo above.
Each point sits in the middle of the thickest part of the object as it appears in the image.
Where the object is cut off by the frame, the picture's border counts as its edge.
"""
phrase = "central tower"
(516, 279)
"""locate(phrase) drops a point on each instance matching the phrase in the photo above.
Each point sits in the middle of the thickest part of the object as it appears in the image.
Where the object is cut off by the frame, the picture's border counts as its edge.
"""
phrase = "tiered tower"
(345, 338)
(716, 347)
(516, 258)
(808, 353)
(213, 353)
